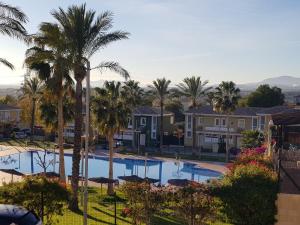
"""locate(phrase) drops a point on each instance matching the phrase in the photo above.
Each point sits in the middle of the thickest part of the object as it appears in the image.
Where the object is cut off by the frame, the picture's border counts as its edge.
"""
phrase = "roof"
(288, 117)
(240, 111)
(147, 110)
(4, 107)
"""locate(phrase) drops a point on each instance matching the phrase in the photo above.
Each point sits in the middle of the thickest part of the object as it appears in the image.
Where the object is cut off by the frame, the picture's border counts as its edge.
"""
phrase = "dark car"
(17, 215)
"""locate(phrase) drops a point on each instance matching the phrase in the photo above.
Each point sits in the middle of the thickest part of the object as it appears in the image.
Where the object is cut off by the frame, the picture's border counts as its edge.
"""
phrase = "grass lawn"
(103, 213)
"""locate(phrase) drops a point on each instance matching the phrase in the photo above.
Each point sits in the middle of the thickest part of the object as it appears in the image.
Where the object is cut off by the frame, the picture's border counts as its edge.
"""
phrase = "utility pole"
(86, 153)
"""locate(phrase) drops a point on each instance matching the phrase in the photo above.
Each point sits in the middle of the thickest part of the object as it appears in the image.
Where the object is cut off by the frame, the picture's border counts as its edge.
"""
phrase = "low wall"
(288, 206)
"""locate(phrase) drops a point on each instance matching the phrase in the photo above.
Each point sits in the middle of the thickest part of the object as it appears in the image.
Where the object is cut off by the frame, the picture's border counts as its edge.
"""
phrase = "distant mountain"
(286, 83)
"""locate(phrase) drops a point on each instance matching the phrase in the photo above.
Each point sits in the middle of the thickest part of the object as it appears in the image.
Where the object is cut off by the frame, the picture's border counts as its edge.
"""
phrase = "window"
(153, 135)
(129, 122)
(171, 119)
(154, 122)
(241, 123)
(217, 122)
(254, 123)
(200, 121)
(189, 134)
(223, 122)
(189, 122)
(143, 121)
(211, 139)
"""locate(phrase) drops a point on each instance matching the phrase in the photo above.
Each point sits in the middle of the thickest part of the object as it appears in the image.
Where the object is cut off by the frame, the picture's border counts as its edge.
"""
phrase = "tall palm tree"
(133, 94)
(86, 34)
(193, 88)
(32, 89)
(49, 57)
(225, 101)
(111, 111)
(12, 21)
(160, 89)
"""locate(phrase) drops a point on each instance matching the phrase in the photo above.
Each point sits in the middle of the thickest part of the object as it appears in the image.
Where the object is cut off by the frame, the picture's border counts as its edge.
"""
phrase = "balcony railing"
(220, 129)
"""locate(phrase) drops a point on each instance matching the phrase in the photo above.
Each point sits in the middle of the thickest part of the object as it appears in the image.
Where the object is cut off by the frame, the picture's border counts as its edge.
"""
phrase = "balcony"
(219, 129)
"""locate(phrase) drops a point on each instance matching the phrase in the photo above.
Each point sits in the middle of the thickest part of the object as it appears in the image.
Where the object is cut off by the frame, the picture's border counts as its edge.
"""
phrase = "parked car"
(18, 135)
(27, 131)
(17, 215)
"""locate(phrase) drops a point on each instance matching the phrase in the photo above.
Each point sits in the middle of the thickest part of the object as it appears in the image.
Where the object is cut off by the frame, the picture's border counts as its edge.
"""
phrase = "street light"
(270, 125)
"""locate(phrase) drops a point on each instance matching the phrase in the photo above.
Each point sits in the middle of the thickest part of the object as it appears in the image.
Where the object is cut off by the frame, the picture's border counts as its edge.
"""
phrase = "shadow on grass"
(110, 215)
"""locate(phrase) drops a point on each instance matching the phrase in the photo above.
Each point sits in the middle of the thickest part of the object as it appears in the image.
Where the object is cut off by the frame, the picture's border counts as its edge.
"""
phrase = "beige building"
(206, 129)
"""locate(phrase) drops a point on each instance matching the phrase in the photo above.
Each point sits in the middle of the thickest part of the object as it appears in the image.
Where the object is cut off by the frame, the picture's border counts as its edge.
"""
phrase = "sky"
(239, 40)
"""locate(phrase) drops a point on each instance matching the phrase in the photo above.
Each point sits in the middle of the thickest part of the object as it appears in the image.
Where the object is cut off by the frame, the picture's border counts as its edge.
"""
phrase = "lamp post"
(86, 153)
(270, 125)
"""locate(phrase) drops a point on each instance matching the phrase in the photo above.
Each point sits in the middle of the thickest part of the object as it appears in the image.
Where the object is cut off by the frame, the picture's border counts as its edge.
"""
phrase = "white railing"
(222, 129)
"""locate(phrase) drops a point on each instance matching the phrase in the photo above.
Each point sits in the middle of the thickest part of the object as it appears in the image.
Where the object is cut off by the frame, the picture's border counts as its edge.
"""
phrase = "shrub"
(255, 155)
(38, 194)
(194, 205)
(252, 139)
(143, 201)
(248, 194)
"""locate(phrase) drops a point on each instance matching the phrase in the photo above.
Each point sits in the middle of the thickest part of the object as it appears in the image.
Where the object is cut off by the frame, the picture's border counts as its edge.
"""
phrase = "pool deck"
(9, 150)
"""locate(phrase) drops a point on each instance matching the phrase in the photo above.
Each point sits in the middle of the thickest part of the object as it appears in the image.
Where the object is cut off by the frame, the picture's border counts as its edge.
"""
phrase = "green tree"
(12, 21)
(193, 88)
(225, 101)
(248, 195)
(252, 138)
(265, 96)
(86, 34)
(33, 90)
(111, 111)
(8, 100)
(49, 57)
(160, 89)
(175, 106)
(133, 94)
(143, 201)
(44, 197)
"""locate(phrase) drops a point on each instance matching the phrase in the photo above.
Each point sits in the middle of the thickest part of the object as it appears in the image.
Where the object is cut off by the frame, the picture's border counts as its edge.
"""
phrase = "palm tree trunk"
(227, 139)
(110, 189)
(32, 119)
(61, 138)
(161, 125)
(73, 204)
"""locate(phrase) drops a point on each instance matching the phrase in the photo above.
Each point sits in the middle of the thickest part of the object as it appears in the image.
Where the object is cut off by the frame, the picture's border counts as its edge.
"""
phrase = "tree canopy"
(265, 96)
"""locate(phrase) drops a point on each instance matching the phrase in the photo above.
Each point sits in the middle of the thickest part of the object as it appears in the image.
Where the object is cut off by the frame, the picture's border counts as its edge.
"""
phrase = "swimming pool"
(27, 162)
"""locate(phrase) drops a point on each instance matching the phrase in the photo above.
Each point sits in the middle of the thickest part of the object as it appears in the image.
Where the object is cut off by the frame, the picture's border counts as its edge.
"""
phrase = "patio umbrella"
(132, 178)
(12, 172)
(103, 180)
(135, 178)
(183, 182)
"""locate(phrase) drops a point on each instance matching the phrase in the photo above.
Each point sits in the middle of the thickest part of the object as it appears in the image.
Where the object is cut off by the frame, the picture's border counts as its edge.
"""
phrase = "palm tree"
(49, 57)
(86, 34)
(133, 94)
(225, 101)
(12, 21)
(111, 112)
(49, 110)
(160, 89)
(32, 89)
(193, 88)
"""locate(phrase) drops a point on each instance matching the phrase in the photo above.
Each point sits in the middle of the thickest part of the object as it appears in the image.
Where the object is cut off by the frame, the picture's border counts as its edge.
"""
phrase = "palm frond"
(113, 66)
(7, 63)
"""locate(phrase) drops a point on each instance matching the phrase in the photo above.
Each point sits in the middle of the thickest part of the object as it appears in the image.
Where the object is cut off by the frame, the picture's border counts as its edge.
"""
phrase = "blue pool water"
(27, 162)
